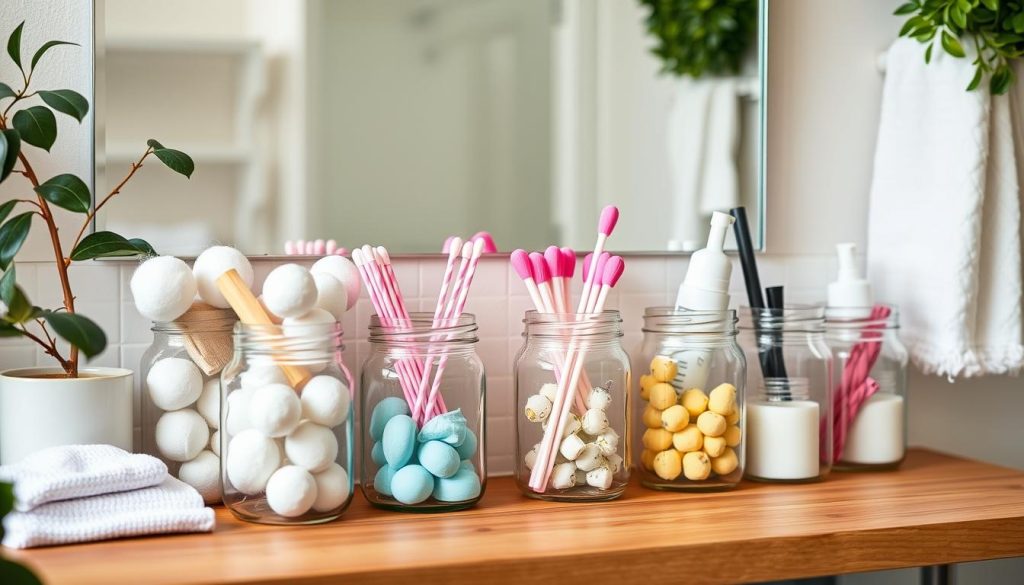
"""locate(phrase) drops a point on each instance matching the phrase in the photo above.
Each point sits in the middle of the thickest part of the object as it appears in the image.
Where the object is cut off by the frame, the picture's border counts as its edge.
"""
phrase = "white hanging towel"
(944, 223)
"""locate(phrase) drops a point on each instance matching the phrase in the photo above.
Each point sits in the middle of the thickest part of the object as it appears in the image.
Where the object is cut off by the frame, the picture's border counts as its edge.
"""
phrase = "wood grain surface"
(936, 509)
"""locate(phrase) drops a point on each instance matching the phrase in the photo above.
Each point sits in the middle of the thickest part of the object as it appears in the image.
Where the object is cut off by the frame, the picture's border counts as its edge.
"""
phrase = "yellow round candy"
(732, 436)
(662, 395)
(663, 369)
(714, 446)
(652, 417)
(688, 439)
(711, 424)
(668, 464)
(726, 463)
(646, 381)
(657, 439)
(722, 399)
(734, 416)
(647, 459)
(696, 465)
(695, 401)
(674, 418)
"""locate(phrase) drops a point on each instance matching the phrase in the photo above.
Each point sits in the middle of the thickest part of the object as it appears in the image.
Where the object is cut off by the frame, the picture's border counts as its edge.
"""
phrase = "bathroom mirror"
(402, 122)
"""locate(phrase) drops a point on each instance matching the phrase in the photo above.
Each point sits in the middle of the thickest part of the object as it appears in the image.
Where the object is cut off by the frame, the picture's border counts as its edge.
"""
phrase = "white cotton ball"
(237, 414)
(251, 459)
(289, 291)
(331, 295)
(275, 410)
(325, 401)
(259, 375)
(291, 491)
(311, 446)
(174, 383)
(315, 325)
(594, 421)
(563, 476)
(345, 271)
(203, 473)
(589, 458)
(215, 443)
(181, 435)
(214, 262)
(332, 488)
(601, 478)
(208, 404)
(163, 288)
(599, 398)
(571, 447)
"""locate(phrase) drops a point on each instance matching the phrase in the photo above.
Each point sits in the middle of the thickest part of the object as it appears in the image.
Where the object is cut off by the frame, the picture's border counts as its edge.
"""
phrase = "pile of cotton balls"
(415, 465)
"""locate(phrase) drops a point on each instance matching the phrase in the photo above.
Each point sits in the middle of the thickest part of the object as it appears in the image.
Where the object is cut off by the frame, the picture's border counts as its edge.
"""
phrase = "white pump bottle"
(850, 296)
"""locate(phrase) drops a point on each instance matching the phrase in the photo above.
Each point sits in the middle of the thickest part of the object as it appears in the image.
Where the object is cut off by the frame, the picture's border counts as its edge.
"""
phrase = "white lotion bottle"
(850, 296)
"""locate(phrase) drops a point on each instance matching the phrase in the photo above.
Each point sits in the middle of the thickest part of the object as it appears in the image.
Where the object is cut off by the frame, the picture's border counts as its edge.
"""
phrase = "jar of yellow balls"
(689, 400)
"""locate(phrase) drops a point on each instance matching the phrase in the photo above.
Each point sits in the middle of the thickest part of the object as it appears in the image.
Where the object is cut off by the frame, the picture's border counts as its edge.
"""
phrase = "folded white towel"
(76, 471)
(170, 507)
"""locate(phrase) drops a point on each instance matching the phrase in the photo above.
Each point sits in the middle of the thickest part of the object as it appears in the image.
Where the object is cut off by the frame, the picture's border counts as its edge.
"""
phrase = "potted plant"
(67, 403)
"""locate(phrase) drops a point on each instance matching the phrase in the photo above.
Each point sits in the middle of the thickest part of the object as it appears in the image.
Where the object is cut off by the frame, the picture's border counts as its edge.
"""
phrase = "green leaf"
(8, 330)
(46, 47)
(7, 285)
(14, 45)
(928, 53)
(175, 160)
(107, 245)
(67, 102)
(6, 91)
(5, 209)
(67, 191)
(79, 331)
(13, 147)
(951, 45)
(976, 80)
(12, 236)
(37, 126)
(143, 246)
(19, 309)
(907, 8)
(6, 498)
(992, 5)
(958, 16)
(1001, 80)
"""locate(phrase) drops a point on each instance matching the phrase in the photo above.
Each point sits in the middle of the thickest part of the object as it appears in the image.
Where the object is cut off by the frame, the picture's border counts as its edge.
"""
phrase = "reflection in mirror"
(402, 122)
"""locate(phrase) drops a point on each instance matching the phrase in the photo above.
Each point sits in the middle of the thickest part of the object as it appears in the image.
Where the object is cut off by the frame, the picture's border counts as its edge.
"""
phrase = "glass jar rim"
(284, 338)
(419, 328)
(850, 318)
(668, 319)
(809, 318)
(607, 323)
(225, 322)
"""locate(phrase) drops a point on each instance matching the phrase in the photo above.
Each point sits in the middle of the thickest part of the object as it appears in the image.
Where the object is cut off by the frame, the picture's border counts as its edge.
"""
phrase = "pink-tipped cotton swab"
(568, 271)
(605, 226)
(489, 245)
(553, 258)
(542, 276)
(520, 260)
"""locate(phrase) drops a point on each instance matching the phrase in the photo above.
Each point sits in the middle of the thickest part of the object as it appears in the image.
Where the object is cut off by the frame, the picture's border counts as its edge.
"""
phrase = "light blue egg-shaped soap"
(377, 454)
(412, 484)
(383, 412)
(449, 427)
(439, 458)
(382, 481)
(399, 440)
(468, 466)
(468, 446)
(464, 485)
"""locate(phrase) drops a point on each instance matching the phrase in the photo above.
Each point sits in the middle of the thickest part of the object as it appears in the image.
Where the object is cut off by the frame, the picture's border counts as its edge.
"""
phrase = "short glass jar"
(287, 425)
(572, 366)
(689, 400)
(180, 398)
(789, 398)
(426, 454)
(870, 421)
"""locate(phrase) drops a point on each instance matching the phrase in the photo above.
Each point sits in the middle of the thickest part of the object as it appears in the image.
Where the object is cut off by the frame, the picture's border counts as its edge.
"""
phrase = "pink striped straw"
(856, 385)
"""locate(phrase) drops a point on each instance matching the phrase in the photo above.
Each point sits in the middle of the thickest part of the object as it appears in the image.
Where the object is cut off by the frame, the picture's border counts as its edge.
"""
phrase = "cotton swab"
(605, 226)
(520, 260)
(568, 271)
(542, 276)
(455, 247)
(556, 266)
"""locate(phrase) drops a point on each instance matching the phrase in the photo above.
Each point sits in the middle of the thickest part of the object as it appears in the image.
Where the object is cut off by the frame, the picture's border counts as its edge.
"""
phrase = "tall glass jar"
(789, 397)
(287, 425)
(180, 399)
(572, 368)
(870, 421)
(689, 400)
(423, 435)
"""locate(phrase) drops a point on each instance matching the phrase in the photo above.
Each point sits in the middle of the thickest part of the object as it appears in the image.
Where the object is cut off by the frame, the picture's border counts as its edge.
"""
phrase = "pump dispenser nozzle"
(850, 295)
(706, 285)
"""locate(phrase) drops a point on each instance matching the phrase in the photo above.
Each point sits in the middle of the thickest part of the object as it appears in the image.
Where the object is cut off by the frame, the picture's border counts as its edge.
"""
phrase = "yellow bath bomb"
(722, 399)
(688, 439)
(695, 401)
(646, 381)
(657, 439)
(714, 446)
(674, 418)
(668, 464)
(652, 417)
(663, 369)
(734, 416)
(726, 463)
(696, 465)
(711, 424)
(732, 436)
(647, 459)
(662, 395)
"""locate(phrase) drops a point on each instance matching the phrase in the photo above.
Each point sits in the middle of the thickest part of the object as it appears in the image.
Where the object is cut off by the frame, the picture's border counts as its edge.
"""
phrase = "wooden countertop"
(937, 509)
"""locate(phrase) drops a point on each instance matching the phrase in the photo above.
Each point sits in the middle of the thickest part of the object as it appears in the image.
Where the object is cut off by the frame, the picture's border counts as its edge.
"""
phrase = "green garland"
(698, 37)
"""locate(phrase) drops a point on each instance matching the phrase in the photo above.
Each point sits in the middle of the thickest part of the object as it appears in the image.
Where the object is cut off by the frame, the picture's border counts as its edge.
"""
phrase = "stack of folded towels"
(80, 493)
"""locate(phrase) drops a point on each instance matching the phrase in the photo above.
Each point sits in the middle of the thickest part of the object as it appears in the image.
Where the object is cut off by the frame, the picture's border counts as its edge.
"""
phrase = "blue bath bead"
(468, 466)
(439, 458)
(382, 481)
(449, 427)
(399, 440)
(383, 412)
(464, 485)
(468, 447)
(377, 454)
(412, 484)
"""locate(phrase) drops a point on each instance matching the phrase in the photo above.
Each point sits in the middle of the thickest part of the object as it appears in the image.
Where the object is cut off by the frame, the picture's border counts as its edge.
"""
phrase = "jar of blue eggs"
(422, 409)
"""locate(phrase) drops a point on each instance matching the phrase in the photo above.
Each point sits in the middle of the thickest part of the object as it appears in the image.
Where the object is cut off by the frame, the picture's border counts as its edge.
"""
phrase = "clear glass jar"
(789, 396)
(587, 460)
(688, 417)
(870, 421)
(426, 455)
(180, 398)
(287, 425)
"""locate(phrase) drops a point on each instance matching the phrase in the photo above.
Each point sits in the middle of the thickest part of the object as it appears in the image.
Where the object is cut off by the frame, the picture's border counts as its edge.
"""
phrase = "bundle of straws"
(421, 391)
(548, 279)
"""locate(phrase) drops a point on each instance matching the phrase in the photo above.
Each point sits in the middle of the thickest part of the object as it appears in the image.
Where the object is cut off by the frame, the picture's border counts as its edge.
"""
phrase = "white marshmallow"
(203, 473)
(594, 422)
(258, 375)
(572, 425)
(608, 442)
(163, 288)
(549, 391)
(237, 415)
(214, 262)
(601, 478)
(589, 458)
(530, 459)
(311, 446)
(563, 476)
(599, 398)
(571, 447)
(331, 295)
(208, 404)
(289, 291)
(174, 383)
(332, 488)
(345, 271)
(581, 477)
(275, 410)
(614, 462)
(291, 491)
(325, 401)
(251, 459)
(537, 408)
(181, 434)
(215, 443)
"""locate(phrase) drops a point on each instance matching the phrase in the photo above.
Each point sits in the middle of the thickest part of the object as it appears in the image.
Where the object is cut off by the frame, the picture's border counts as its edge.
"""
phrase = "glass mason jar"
(180, 398)
(287, 425)
(870, 420)
(688, 418)
(426, 454)
(573, 365)
(789, 393)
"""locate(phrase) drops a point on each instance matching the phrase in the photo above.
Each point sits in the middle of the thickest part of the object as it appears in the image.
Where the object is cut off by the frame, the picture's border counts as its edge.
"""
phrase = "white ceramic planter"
(36, 413)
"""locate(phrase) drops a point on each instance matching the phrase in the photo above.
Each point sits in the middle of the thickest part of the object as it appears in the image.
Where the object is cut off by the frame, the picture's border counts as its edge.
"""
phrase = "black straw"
(746, 251)
(775, 360)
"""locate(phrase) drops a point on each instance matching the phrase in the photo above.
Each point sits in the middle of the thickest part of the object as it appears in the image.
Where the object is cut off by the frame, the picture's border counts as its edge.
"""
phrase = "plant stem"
(51, 349)
(92, 212)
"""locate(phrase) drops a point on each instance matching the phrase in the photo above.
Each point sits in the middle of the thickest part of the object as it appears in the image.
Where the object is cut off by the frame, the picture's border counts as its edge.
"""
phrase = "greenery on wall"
(994, 27)
(702, 37)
